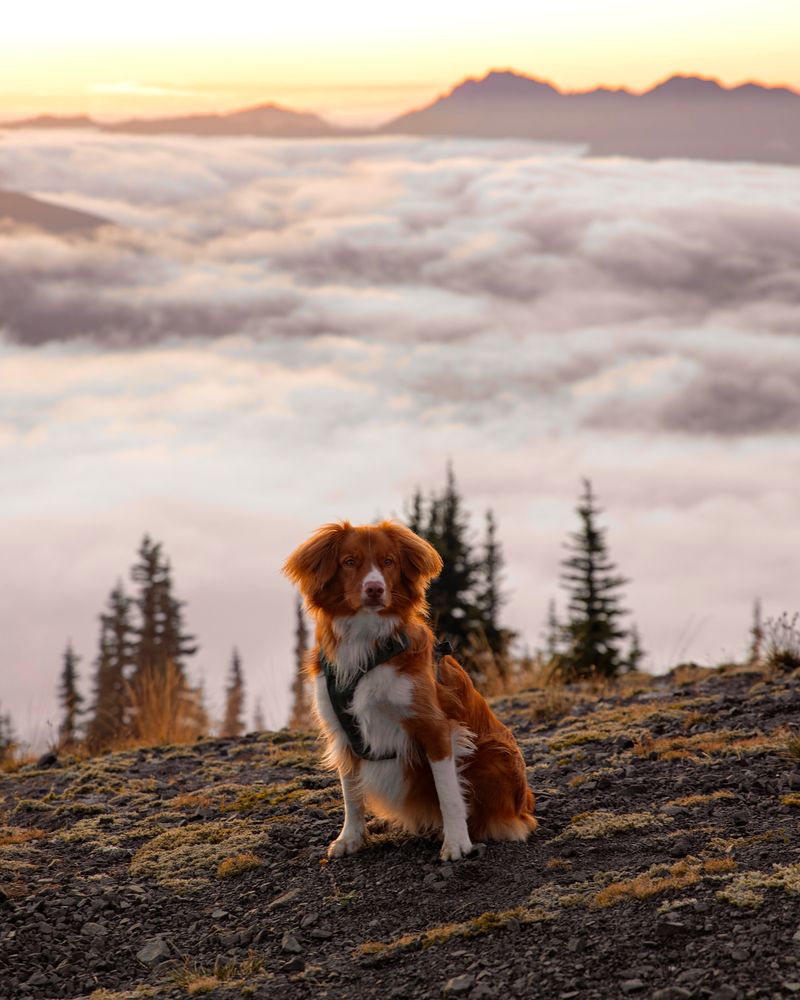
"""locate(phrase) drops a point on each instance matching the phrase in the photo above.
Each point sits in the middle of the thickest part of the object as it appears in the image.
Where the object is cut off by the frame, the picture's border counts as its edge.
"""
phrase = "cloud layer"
(277, 333)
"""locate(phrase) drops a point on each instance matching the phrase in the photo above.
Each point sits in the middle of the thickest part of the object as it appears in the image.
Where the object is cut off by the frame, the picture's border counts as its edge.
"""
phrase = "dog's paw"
(345, 844)
(455, 850)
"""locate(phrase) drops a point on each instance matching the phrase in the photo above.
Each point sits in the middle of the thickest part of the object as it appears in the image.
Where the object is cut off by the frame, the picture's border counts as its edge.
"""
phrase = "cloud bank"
(277, 333)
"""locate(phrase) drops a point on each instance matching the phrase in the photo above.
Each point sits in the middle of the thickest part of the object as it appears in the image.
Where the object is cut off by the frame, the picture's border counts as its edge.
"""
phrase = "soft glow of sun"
(163, 56)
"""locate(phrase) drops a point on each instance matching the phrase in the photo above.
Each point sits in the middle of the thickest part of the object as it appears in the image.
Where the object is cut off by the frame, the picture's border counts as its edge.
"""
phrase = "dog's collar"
(341, 697)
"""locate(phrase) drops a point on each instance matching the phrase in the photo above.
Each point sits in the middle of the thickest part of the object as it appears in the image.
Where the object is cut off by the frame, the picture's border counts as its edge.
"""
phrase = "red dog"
(415, 742)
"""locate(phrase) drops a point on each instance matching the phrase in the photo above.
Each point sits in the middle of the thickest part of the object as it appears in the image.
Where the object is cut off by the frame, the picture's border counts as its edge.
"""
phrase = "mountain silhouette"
(684, 116)
(21, 210)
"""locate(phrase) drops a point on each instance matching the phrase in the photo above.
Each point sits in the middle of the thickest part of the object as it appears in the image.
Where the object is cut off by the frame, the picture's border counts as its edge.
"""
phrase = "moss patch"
(602, 823)
(195, 852)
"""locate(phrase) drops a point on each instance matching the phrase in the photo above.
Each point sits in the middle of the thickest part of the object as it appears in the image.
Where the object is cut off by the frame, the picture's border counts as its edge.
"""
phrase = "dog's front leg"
(353, 835)
(457, 843)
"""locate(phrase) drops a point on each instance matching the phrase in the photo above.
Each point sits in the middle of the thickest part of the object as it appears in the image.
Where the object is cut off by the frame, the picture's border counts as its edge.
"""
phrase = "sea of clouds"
(273, 334)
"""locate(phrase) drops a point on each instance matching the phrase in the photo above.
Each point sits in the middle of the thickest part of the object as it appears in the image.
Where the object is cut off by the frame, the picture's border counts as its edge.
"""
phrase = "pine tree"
(592, 632)
(635, 651)
(8, 742)
(490, 597)
(552, 632)
(233, 723)
(70, 698)
(415, 514)
(113, 668)
(300, 717)
(756, 635)
(452, 595)
(259, 722)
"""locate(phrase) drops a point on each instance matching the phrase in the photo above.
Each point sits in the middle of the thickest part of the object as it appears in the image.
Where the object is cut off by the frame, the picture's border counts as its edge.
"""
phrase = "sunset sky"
(361, 62)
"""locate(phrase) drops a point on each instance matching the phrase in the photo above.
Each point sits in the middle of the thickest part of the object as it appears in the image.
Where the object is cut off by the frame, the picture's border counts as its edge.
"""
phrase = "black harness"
(341, 697)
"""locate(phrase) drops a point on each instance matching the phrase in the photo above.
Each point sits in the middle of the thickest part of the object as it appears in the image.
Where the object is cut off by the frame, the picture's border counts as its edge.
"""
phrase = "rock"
(320, 934)
(281, 900)
(218, 914)
(309, 919)
(49, 759)
(629, 986)
(459, 984)
(671, 993)
(290, 944)
(725, 992)
(483, 991)
(295, 964)
(668, 927)
(680, 848)
(796, 936)
(155, 950)
(93, 930)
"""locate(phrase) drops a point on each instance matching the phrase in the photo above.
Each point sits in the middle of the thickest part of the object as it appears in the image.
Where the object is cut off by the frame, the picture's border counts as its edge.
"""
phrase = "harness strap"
(341, 697)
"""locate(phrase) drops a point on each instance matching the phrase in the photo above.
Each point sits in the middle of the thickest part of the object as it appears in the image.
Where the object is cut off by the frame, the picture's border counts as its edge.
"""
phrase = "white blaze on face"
(373, 588)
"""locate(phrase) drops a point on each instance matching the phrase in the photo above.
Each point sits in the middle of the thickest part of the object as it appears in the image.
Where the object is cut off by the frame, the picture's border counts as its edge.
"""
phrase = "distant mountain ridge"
(18, 209)
(683, 116)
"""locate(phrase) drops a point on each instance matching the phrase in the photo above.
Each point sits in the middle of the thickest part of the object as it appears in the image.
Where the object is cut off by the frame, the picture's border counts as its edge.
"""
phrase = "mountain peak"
(503, 84)
(684, 87)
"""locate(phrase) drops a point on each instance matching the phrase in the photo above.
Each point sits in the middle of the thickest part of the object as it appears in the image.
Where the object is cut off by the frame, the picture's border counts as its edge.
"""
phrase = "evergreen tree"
(415, 514)
(259, 722)
(300, 717)
(635, 652)
(70, 698)
(592, 632)
(113, 668)
(552, 632)
(8, 741)
(451, 595)
(756, 635)
(160, 639)
(233, 723)
(490, 597)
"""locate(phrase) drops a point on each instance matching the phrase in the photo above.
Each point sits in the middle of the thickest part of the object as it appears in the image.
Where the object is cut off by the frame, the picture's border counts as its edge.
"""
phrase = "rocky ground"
(667, 865)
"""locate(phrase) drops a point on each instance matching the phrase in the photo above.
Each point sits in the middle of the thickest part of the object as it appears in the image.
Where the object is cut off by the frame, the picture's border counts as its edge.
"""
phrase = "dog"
(408, 733)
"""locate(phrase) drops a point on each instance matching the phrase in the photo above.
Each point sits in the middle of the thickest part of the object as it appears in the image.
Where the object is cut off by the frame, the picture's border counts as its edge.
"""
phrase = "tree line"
(141, 691)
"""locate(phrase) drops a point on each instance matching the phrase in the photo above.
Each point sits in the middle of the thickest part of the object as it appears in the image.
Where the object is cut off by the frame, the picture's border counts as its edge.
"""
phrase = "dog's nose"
(374, 590)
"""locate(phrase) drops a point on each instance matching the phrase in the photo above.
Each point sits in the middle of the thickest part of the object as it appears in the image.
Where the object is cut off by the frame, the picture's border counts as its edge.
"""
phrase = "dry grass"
(602, 823)
(696, 800)
(19, 834)
(165, 709)
(486, 923)
(197, 979)
(695, 747)
(744, 890)
(790, 799)
(237, 864)
(791, 748)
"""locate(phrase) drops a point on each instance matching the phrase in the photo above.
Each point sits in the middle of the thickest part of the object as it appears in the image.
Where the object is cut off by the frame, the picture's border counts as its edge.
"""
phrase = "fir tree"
(552, 632)
(113, 668)
(160, 639)
(70, 698)
(8, 740)
(233, 723)
(635, 651)
(452, 595)
(259, 722)
(416, 514)
(592, 632)
(756, 635)
(300, 717)
(490, 597)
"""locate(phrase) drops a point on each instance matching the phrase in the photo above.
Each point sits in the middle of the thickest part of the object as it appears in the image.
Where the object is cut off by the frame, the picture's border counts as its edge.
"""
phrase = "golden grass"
(237, 864)
(19, 834)
(695, 746)
(696, 800)
(195, 852)
(602, 823)
(164, 709)
(485, 923)
(790, 799)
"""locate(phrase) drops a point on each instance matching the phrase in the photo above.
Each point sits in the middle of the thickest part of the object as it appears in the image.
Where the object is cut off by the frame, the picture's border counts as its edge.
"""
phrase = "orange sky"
(360, 62)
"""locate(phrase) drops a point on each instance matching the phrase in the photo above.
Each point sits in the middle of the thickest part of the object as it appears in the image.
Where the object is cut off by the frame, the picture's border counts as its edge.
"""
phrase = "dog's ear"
(315, 562)
(419, 560)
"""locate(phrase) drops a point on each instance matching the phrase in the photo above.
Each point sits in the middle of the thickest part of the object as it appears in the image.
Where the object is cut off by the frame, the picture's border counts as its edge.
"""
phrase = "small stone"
(740, 954)
(295, 964)
(796, 936)
(218, 914)
(320, 934)
(725, 992)
(483, 991)
(94, 930)
(289, 943)
(281, 900)
(49, 759)
(673, 811)
(680, 848)
(153, 951)
(631, 986)
(789, 987)
(309, 919)
(459, 984)
(669, 928)
(671, 993)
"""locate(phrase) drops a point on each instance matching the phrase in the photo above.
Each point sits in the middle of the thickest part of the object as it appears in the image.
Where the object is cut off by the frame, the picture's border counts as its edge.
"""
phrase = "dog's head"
(343, 569)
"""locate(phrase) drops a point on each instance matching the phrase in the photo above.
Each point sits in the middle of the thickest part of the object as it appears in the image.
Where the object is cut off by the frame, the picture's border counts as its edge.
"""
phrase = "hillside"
(22, 210)
(667, 865)
(682, 117)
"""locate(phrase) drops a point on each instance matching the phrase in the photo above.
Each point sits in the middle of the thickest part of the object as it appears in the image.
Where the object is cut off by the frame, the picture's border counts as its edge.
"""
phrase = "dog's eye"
(388, 561)
(349, 561)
